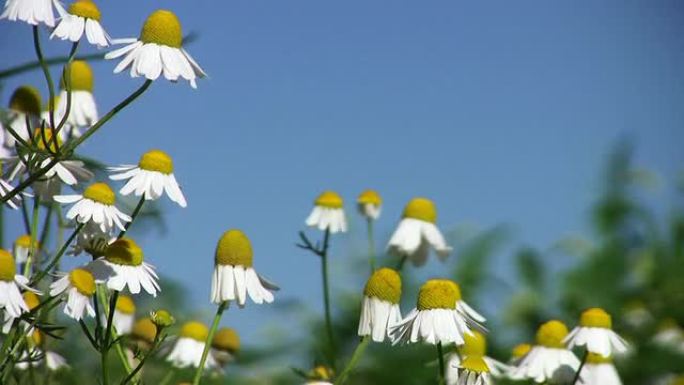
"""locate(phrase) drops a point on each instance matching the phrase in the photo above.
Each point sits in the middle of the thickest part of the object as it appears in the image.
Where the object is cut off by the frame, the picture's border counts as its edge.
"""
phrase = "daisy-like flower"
(369, 204)
(225, 345)
(152, 176)
(83, 109)
(599, 370)
(33, 12)
(159, 49)
(22, 248)
(328, 213)
(96, 206)
(32, 301)
(234, 277)
(475, 346)
(596, 334)
(35, 357)
(79, 286)
(441, 316)
(417, 232)
(473, 371)
(380, 308)
(143, 333)
(11, 299)
(123, 266)
(5, 189)
(188, 348)
(518, 352)
(25, 107)
(548, 360)
(83, 16)
(124, 314)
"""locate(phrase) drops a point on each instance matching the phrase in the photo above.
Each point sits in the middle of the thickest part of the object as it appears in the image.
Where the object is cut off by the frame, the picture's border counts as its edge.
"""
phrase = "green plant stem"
(33, 235)
(579, 370)
(59, 255)
(371, 244)
(326, 297)
(168, 377)
(356, 356)
(25, 67)
(442, 371)
(104, 347)
(207, 343)
(134, 215)
(46, 73)
(155, 345)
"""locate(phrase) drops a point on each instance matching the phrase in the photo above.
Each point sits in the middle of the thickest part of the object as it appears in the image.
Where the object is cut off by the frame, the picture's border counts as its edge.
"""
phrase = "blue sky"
(500, 111)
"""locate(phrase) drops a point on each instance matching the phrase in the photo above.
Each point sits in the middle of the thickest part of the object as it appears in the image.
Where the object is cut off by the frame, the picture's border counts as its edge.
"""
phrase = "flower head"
(79, 286)
(145, 331)
(188, 349)
(473, 371)
(124, 314)
(12, 300)
(225, 345)
(23, 247)
(369, 204)
(123, 266)
(33, 12)
(595, 332)
(95, 206)
(82, 18)
(328, 213)
(380, 308)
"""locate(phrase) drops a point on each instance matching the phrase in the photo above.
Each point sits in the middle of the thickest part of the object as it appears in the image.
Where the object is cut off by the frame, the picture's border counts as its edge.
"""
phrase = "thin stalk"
(25, 67)
(46, 73)
(326, 295)
(155, 345)
(579, 370)
(168, 377)
(66, 76)
(46, 226)
(59, 254)
(356, 356)
(442, 370)
(136, 211)
(104, 348)
(207, 343)
(33, 235)
(371, 244)
(101, 296)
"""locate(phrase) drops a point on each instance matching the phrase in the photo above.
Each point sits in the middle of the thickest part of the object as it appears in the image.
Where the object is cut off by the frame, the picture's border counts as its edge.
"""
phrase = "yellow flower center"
(38, 137)
(438, 294)
(37, 337)
(594, 358)
(329, 199)
(7, 267)
(234, 248)
(475, 344)
(422, 209)
(162, 318)
(596, 318)
(520, 350)
(26, 99)
(321, 372)
(195, 330)
(83, 281)
(125, 304)
(475, 364)
(226, 339)
(369, 197)
(100, 193)
(81, 78)
(156, 160)
(551, 334)
(145, 330)
(31, 299)
(124, 251)
(24, 241)
(86, 9)
(384, 284)
(162, 27)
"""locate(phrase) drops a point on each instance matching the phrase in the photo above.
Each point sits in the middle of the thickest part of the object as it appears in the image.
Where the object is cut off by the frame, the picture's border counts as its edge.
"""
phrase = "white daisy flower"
(25, 106)
(188, 348)
(123, 266)
(596, 334)
(234, 277)
(95, 205)
(33, 12)
(79, 286)
(225, 345)
(158, 51)
(11, 299)
(475, 346)
(548, 360)
(473, 371)
(83, 109)
(417, 232)
(320, 375)
(35, 356)
(440, 316)
(518, 352)
(369, 204)
(124, 315)
(32, 301)
(599, 370)
(380, 308)
(144, 333)
(328, 213)
(6, 188)
(83, 16)
(22, 248)
(152, 176)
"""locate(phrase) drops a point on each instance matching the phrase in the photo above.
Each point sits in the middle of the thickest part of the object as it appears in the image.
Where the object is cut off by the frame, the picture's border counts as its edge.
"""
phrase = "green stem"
(371, 244)
(33, 235)
(326, 298)
(136, 211)
(46, 73)
(59, 255)
(207, 343)
(442, 368)
(150, 353)
(168, 377)
(358, 352)
(579, 370)
(104, 348)
(25, 67)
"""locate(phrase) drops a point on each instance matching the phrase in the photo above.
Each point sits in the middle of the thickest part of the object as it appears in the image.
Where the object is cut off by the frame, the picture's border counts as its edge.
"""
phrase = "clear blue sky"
(500, 111)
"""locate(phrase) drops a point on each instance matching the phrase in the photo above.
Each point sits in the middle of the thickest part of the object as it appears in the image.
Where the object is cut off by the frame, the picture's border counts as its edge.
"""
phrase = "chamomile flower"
(6, 188)
(473, 371)
(417, 232)
(96, 206)
(518, 352)
(158, 50)
(320, 375)
(83, 109)
(441, 316)
(22, 248)
(124, 314)
(81, 17)
(380, 308)
(599, 370)
(33, 12)
(475, 346)
(32, 301)
(225, 345)
(369, 204)
(123, 266)
(548, 360)
(595, 332)
(24, 113)
(150, 177)
(234, 277)
(188, 348)
(328, 214)
(79, 286)
(143, 333)
(11, 299)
